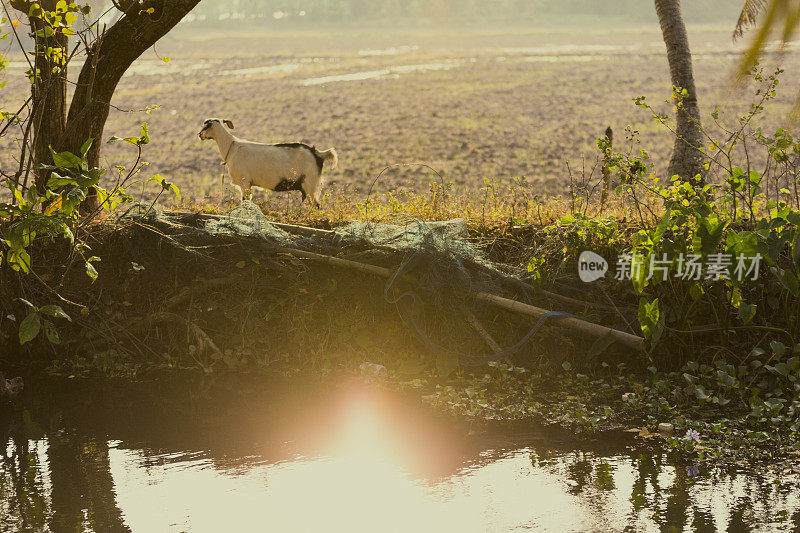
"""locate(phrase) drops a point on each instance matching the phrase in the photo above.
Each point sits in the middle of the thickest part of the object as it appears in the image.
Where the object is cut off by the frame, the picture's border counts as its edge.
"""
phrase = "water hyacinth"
(692, 435)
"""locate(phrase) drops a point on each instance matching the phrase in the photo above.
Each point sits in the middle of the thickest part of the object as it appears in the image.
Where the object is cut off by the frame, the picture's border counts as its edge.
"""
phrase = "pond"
(246, 454)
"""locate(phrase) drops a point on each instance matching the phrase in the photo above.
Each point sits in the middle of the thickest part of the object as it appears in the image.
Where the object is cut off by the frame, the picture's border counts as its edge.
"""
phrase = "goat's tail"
(330, 154)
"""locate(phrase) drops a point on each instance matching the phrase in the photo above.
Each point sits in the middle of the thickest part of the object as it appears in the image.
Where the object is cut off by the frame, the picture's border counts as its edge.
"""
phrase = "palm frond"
(748, 16)
(779, 16)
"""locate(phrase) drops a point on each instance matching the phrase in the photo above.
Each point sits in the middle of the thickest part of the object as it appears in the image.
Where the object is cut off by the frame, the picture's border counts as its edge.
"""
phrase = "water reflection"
(211, 456)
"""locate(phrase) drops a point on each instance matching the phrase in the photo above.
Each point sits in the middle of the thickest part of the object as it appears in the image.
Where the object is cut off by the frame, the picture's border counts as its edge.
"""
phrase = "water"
(247, 455)
(376, 74)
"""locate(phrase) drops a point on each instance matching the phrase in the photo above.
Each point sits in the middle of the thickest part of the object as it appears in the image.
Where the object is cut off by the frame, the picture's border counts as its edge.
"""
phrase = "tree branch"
(109, 58)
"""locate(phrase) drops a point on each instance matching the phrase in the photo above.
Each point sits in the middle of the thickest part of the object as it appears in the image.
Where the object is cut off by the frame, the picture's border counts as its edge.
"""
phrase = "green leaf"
(17, 194)
(650, 320)
(86, 146)
(747, 312)
(662, 227)
(71, 197)
(29, 328)
(27, 303)
(54, 311)
(32, 195)
(639, 273)
(103, 200)
(782, 369)
(534, 268)
(735, 296)
(708, 234)
(144, 137)
(57, 181)
(51, 333)
(66, 159)
(700, 393)
(19, 259)
(91, 271)
(778, 348)
(600, 345)
(788, 280)
(166, 185)
(175, 191)
(796, 249)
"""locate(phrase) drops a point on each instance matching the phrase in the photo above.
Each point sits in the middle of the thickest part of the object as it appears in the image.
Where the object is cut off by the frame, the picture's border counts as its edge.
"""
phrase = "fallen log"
(584, 326)
(578, 324)
(484, 333)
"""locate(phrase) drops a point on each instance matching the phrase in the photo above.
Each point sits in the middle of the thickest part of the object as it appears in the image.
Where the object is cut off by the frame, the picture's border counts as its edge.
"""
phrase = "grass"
(498, 206)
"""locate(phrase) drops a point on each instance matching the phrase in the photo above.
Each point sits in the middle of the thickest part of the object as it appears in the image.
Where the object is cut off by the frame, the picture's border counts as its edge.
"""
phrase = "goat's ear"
(228, 123)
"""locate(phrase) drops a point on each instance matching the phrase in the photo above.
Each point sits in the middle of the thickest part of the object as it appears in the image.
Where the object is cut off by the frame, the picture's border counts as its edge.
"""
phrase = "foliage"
(744, 226)
(55, 216)
(766, 386)
(36, 321)
(54, 209)
(57, 23)
(718, 411)
(52, 213)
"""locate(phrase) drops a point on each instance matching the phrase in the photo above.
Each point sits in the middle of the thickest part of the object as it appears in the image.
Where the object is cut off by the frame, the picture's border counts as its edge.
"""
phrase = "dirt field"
(472, 104)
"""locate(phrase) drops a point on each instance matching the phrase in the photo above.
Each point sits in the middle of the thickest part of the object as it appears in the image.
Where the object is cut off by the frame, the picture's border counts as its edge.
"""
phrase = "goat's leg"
(313, 198)
(247, 192)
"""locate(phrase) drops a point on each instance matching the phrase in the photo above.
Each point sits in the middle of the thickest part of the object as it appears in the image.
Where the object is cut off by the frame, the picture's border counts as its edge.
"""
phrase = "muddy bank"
(171, 294)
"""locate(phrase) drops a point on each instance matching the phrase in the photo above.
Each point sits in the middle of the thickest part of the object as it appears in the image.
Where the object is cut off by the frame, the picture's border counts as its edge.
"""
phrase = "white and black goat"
(277, 167)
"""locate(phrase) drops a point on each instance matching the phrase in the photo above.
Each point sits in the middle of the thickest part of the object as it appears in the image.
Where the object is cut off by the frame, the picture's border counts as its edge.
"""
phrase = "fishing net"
(247, 220)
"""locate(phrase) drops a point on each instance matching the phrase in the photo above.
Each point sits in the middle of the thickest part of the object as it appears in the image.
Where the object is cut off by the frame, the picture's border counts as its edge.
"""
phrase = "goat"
(276, 167)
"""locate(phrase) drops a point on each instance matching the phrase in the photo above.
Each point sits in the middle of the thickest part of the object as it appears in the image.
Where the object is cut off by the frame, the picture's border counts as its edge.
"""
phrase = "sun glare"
(361, 482)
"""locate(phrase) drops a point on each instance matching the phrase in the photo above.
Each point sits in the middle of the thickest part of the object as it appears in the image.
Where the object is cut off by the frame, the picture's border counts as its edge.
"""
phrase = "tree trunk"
(48, 96)
(687, 160)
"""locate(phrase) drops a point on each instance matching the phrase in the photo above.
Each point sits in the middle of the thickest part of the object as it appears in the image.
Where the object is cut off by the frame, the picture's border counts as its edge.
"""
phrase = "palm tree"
(777, 13)
(687, 159)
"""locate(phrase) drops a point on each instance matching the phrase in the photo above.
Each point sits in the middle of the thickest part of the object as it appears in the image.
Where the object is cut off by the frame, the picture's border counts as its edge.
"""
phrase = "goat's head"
(209, 127)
